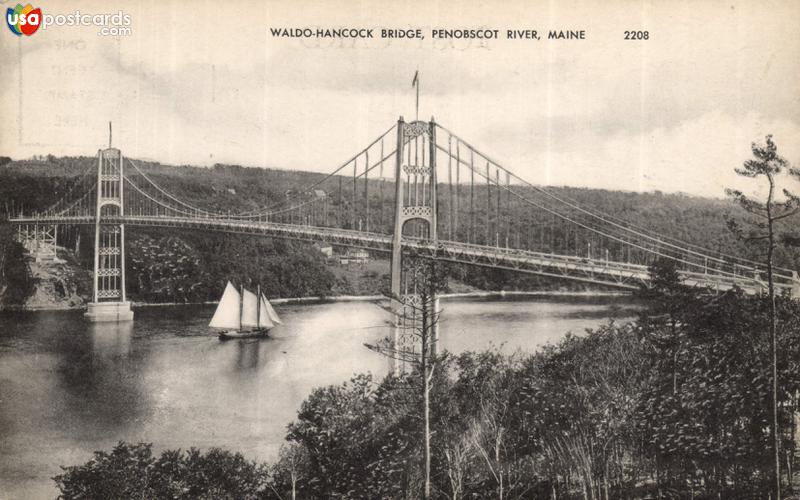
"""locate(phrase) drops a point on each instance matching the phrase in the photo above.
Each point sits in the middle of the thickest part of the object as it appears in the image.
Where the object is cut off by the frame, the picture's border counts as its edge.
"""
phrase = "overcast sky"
(204, 82)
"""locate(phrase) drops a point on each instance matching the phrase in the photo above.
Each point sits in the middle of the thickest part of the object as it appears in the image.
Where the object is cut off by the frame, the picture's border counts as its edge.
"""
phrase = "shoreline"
(445, 296)
(349, 298)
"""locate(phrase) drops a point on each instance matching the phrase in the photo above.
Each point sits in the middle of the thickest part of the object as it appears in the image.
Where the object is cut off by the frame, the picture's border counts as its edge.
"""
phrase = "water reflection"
(111, 340)
(248, 354)
(99, 385)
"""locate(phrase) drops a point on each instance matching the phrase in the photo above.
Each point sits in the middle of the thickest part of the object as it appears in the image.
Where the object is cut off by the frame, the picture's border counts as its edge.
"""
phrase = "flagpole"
(415, 83)
(417, 116)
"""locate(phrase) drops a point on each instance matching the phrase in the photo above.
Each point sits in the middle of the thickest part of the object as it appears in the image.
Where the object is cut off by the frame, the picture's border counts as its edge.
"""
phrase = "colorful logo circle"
(23, 20)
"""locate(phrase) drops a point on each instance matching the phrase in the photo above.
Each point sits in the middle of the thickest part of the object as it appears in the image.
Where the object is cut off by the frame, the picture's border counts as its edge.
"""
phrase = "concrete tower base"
(99, 312)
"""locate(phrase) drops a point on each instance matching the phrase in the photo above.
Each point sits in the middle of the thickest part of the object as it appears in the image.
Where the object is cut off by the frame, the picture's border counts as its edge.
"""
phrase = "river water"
(68, 387)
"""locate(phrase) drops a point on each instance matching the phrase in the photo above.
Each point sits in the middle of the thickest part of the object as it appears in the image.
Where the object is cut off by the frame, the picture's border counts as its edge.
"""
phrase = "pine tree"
(764, 230)
(421, 316)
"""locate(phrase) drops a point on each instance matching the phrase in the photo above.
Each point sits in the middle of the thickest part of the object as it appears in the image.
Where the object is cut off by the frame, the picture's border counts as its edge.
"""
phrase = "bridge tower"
(39, 240)
(415, 200)
(108, 299)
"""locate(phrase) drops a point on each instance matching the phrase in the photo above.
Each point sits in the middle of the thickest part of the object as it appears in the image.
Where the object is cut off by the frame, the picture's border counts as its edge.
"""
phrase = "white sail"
(273, 316)
(264, 319)
(249, 309)
(227, 313)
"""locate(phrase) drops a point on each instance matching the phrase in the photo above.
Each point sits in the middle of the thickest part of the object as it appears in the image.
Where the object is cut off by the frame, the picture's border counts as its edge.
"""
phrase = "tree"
(131, 471)
(487, 386)
(420, 312)
(292, 462)
(668, 300)
(769, 165)
(581, 398)
(16, 281)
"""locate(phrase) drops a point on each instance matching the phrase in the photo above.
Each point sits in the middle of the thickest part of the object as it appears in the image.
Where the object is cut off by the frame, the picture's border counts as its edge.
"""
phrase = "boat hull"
(245, 334)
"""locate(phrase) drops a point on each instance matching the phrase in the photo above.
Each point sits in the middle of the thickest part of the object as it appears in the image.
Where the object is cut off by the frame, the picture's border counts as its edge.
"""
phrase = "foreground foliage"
(672, 405)
(132, 471)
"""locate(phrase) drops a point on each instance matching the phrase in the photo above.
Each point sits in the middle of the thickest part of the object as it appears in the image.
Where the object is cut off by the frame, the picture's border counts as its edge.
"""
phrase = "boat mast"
(258, 307)
(241, 307)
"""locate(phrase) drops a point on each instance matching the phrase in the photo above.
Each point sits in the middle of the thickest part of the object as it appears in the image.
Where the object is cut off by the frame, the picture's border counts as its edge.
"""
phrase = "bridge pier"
(415, 199)
(108, 296)
(103, 312)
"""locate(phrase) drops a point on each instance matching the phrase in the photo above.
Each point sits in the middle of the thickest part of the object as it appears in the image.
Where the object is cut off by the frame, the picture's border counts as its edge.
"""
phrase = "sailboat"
(243, 314)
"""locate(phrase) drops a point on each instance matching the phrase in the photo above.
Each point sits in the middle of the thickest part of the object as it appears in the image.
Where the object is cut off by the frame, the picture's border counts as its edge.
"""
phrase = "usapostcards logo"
(27, 21)
(23, 20)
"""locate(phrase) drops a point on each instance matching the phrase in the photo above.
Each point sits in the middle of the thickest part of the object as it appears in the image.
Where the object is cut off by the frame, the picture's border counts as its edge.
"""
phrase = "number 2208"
(637, 35)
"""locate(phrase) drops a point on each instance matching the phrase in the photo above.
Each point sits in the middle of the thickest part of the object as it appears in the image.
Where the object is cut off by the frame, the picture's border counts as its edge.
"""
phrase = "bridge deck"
(605, 272)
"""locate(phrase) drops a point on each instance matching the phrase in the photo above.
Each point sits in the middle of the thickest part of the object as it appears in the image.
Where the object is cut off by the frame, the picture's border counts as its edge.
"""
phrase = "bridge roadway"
(611, 273)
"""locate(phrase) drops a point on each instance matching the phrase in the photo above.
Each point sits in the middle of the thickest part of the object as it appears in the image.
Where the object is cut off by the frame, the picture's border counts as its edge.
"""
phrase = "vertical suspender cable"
(355, 190)
(339, 214)
(488, 204)
(366, 190)
(508, 207)
(380, 187)
(497, 212)
(450, 186)
(458, 185)
(471, 238)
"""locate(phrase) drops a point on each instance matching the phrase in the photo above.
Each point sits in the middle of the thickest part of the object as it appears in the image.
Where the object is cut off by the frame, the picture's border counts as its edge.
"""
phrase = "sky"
(204, 82)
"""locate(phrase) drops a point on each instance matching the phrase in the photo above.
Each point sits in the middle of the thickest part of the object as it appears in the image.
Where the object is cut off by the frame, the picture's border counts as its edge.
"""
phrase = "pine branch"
(791, 240)
(386, 308)
(746, 172)
(786, 214)
(392, 353)
(735, 228)
(748, 239)
(749, 205)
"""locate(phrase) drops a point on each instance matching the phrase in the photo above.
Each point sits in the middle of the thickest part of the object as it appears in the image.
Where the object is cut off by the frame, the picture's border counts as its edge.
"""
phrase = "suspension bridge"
(417, 190)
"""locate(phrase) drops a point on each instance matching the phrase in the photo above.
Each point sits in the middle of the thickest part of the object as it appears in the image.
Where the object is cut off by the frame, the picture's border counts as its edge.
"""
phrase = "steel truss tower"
(415, 201)
(108, 299)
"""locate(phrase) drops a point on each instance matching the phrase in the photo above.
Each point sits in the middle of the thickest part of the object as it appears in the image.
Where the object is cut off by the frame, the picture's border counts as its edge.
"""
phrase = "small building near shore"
(354, 256)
